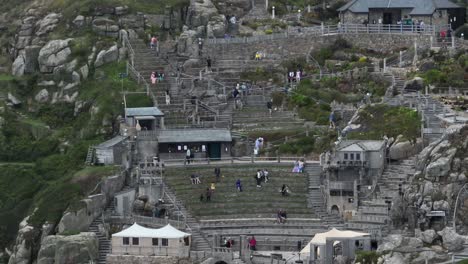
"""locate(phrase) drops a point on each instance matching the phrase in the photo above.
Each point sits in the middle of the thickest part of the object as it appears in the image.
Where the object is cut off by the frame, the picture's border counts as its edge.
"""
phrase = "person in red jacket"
(253, 243)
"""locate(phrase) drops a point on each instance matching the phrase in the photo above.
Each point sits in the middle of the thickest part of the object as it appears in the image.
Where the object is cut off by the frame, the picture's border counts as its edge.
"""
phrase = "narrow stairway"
(104, 242)
(315, 198)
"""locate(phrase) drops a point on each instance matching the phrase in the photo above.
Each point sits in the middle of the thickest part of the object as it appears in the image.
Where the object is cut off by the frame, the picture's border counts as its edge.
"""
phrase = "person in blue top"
(331, 118)
(239, 185)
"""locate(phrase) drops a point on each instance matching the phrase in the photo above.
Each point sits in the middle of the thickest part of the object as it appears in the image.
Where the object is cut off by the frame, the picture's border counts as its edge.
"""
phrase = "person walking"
(265, 175)
(270, 106)
(217, 172)
(200, 47)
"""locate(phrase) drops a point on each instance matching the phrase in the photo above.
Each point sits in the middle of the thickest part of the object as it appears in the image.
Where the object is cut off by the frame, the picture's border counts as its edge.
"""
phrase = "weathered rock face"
(200, 12)
(82, 248)
(427, 236)
(47, 24)
(107, 56)
(404, 149)
(394, 242)
(105, 27)
(186, 43)
(416, 84)
(42, 96)
(451, 240)
(216, 27)
(236, 8)
(23, 249)
(55, 53)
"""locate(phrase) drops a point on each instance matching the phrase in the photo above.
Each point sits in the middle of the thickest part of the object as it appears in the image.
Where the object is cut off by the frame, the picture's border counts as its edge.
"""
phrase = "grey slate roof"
(419, 7)
(143, 111)
(370, 145)
(111, 142)
(194, 135)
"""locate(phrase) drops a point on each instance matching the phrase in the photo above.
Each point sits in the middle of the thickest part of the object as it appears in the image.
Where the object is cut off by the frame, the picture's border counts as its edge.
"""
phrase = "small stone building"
(355, 165)
(324, 247)
(432, 12)
(144, 118)
(211, 144)
(141, 241)
(111, 152)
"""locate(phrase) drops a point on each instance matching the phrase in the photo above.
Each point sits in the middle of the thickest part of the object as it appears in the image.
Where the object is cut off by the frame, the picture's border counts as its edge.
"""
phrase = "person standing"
(253, 243)
(217, 172)
(270, 106)
(208, 194)
(265, 175)
(239, 185)
(188, 153)
(258, 178)
(168, 98)
(153, 78)
(208, 64)
(153, 42)
(200, 47)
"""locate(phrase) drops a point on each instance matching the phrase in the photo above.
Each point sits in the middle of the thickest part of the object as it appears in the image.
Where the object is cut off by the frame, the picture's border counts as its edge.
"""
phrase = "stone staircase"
(372, 217)
(104, 242)
(395, 178)
(199, 241)
(315, 199)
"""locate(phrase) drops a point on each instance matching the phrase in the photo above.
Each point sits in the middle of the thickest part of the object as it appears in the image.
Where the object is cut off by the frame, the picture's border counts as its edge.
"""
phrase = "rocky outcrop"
(216, 27)
(201, 12)
(42, 96)
(106, 27)
(403, 149)
(451, 240)
(107, 56)
(81, 249)
(54, 54)
(23, 249)
(416, 84)
(427, 236)
(47, 24)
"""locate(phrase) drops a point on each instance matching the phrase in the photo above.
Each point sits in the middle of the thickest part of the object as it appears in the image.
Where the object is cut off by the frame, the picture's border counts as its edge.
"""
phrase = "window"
(346, 156)
(165, 242)
(135, 241)
(351, 156)
(155, 241)
(126, 241)
(358, 156)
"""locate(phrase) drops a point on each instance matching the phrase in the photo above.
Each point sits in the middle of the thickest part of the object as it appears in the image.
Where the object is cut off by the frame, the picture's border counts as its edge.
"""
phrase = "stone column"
(273, 12)
(266, 4)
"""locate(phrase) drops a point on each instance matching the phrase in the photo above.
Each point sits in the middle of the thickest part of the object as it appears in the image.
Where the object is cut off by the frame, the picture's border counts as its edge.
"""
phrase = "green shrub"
(269, 31)
(367, 257)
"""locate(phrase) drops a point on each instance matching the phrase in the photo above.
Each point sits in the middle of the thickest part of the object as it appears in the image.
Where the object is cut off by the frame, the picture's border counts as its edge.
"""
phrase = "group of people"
(259, 55)
(208, 192)
(261, 176)
(156, 77)
(241, 88)
(299, 166)
(195, 178)
(295, 76)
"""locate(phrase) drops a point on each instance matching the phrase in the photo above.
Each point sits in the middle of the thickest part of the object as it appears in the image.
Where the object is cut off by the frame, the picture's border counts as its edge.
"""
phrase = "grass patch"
(252, 202)
(379, 120)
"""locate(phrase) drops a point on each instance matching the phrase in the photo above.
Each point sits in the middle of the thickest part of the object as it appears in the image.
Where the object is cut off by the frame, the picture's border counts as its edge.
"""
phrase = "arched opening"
(335, 210)
(220, 262)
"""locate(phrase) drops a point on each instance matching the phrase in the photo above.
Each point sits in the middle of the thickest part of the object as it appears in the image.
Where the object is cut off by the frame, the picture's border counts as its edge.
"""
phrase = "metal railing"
(235, 160)
(325, 30)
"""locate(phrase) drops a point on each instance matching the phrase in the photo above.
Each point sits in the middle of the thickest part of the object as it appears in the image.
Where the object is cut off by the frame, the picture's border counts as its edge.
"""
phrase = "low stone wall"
(301, 45)
(125, 259)
(80, 220)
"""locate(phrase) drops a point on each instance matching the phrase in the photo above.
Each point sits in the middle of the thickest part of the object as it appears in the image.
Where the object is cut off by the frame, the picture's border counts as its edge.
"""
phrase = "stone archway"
(335, 210)
(220, 262)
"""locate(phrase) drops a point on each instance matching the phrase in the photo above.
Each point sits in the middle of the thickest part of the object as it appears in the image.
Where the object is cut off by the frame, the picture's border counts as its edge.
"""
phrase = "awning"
(321, 238)
(137, 230)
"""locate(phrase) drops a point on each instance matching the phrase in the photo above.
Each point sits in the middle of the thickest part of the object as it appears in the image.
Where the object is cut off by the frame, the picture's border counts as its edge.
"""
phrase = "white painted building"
(141, 241)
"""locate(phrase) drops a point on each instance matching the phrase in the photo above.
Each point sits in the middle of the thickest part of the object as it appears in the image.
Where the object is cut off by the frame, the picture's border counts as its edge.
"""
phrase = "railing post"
(431, 40)
(385, 65)
(453, 41)
(322, 28)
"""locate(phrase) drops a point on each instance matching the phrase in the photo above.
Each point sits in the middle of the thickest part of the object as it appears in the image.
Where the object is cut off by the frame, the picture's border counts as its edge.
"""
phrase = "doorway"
(387, 18)
(214, 151)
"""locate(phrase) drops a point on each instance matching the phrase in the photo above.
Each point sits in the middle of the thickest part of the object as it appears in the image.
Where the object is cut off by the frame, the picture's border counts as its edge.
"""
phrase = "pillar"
(427, 90)
(384, 64)
(266, 4)
(401, 59)
(415, 52)
(453, 40)
(162, 123)
(272, 12)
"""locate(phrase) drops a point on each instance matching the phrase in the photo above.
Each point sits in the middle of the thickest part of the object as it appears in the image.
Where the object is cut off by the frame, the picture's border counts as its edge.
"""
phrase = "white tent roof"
(321, 238)
(137, 230)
